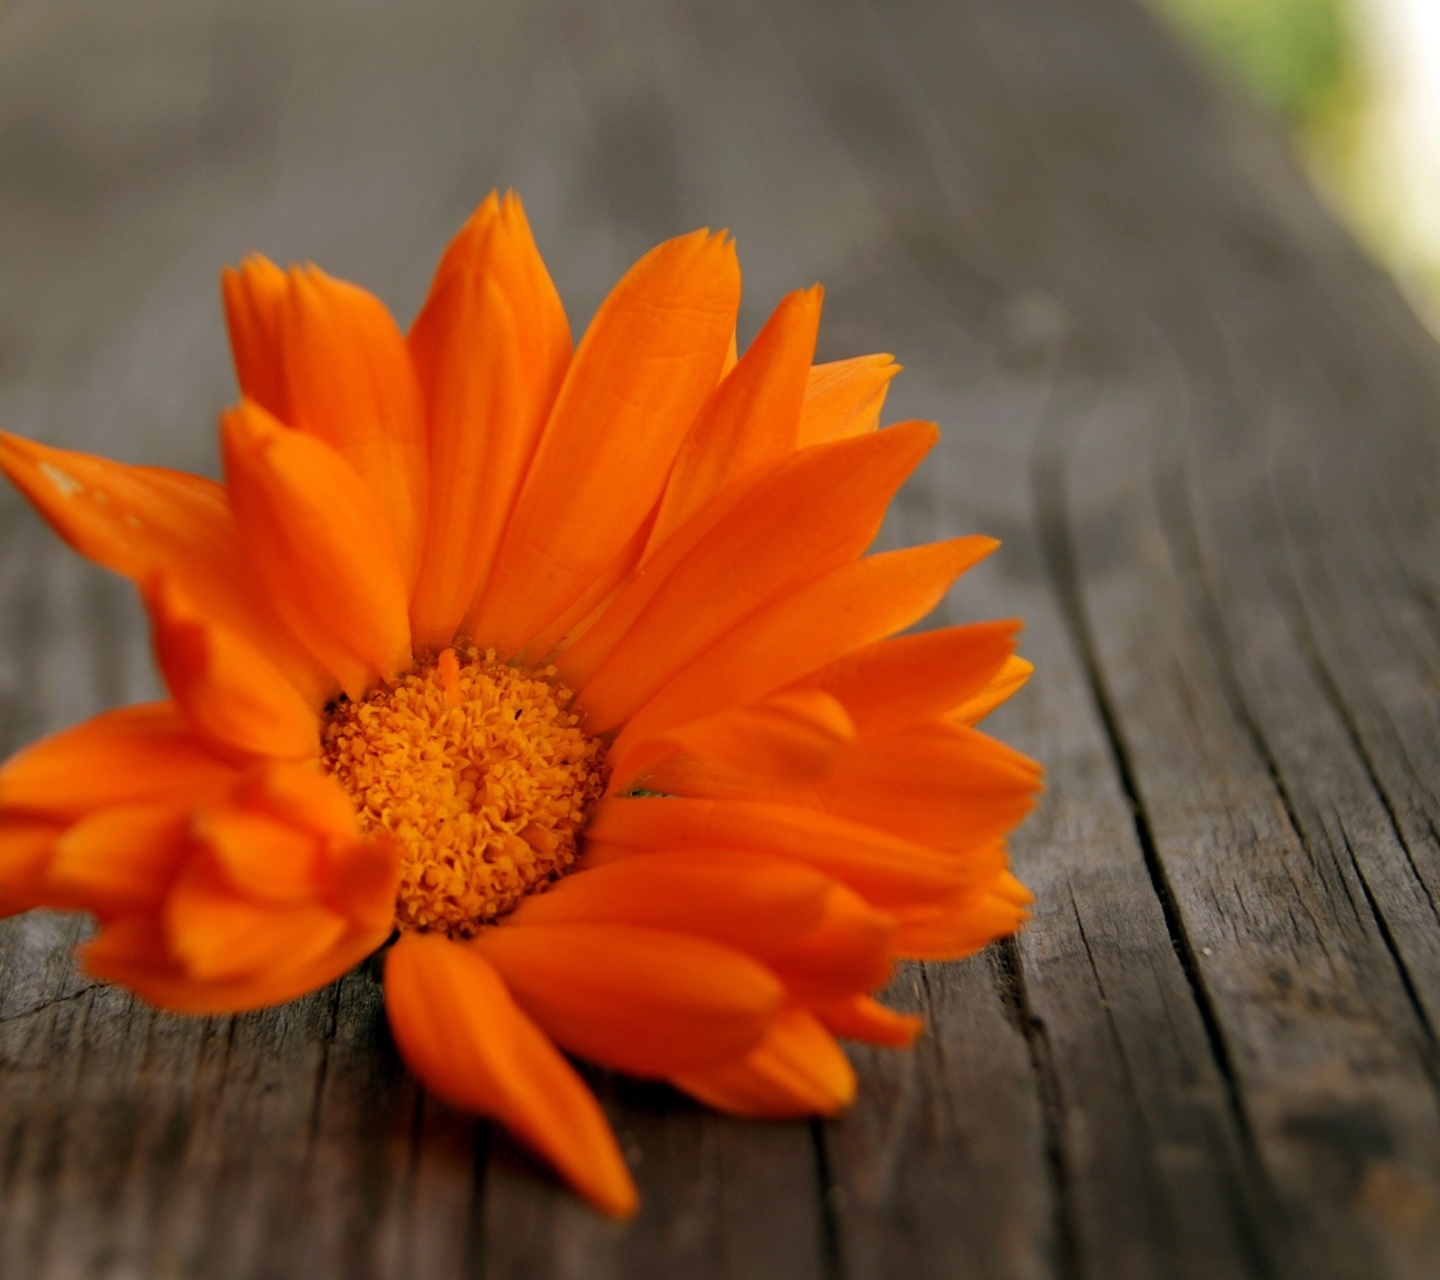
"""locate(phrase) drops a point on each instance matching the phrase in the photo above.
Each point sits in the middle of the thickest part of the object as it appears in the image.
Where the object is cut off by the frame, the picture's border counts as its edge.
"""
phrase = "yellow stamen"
(480, 772)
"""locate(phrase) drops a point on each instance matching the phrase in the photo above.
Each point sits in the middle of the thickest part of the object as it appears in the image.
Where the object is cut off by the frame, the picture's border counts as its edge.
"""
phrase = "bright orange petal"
(751, 421)
(133, 952)
(121, 860)
(235, 699)
(940, 785)
(757, 903)
(640, 1000)
(959, 927)
(848, 609)
(319, 543)
(130, 756)
(326, 358)
(818, 937)
(26, 847)
(796, 1070)
(463, 1035)
(881, 867)
(794, 525)
(490, 347)
(287, 835)
(863, 1018)
(137, 521)
(256, 293)
(844, 399)
(847, 952)
(648, 362)
(1006, 681)
(917, 677)
(792, 738)
(217, 934)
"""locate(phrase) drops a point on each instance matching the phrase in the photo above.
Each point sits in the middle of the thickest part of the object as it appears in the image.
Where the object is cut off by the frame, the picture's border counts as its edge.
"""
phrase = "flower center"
(480, 772)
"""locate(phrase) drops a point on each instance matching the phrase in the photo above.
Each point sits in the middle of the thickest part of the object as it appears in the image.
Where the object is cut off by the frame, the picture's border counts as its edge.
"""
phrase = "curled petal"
(135, 951)
(317, 540)
(233, 696)
(26, 847)
(121, 860)
(324, 356)
(217, 934)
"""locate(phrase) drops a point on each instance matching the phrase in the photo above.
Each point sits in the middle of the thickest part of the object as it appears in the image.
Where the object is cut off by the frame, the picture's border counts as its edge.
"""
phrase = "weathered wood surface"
(1205, 428)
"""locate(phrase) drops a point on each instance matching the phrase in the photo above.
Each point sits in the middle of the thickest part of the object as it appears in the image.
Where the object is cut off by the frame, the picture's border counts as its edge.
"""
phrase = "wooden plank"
(1211, 1055)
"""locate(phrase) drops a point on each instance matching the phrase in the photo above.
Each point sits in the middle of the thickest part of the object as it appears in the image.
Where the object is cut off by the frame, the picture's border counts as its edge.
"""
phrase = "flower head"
(564, 673)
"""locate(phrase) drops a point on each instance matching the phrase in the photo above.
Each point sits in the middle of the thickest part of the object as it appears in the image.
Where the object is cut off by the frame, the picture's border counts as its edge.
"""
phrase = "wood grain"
(1204, 426)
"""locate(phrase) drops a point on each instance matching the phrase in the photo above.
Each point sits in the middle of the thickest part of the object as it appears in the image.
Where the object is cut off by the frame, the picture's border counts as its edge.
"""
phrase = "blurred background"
(1358, 84)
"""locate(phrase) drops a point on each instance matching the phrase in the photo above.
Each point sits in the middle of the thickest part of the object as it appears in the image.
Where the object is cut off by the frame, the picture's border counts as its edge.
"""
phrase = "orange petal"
(648, 362)
(463, 1035)
(133, 952)
(261, 858)
(121, 860)
(848, 609)
(362, 879)
(139, 520)
(287, 835)
(940, 785)
(255, 296)
(789, 737)
(26, 846)
(881, 867)
(917, 677)
(844, 399)
(1006, 681)
(746, 900)
(316, 539)
(819, 938)
(235, 699)
(796, 1070)
(640, 1000)
(302, 795)
(847, 952)
(217, 934)
(804, 520)
(863, 1018)
(325, 357)
(751, 420)
(132, 755)
(957, 928)
(490, 347)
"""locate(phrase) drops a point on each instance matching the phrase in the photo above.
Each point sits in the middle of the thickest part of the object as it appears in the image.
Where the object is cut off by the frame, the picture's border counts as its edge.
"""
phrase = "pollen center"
(482, 774)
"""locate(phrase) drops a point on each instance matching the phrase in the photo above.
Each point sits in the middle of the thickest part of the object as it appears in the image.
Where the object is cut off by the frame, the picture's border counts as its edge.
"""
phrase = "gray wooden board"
(1205, 427)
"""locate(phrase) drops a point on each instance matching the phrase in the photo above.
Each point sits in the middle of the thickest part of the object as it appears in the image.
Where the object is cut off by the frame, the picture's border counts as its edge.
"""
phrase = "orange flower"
(697, 865)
